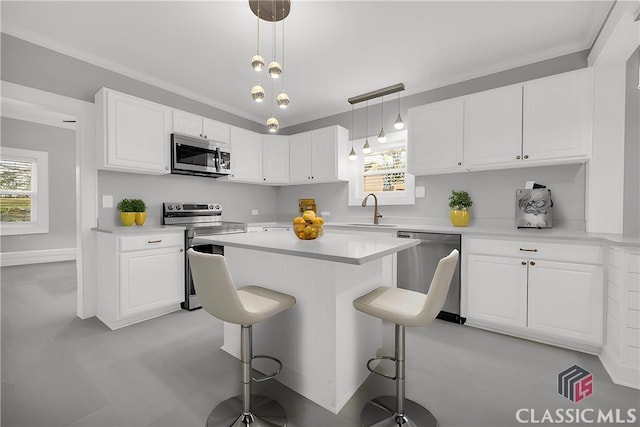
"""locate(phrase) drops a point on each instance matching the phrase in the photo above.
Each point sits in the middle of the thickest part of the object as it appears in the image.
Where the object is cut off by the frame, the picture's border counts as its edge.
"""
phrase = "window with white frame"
(24, 199)
(382, 172)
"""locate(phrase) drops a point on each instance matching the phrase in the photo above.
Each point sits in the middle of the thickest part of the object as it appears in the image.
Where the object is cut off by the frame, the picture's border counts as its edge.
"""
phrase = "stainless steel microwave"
(198, 156)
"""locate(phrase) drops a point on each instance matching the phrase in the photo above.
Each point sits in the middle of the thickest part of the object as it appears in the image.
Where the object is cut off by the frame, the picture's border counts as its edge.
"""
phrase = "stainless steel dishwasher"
(417, 265)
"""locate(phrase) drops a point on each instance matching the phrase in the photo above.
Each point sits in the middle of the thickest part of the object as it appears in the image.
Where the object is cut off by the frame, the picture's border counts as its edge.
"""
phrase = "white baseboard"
(36, 257)
(620, 374)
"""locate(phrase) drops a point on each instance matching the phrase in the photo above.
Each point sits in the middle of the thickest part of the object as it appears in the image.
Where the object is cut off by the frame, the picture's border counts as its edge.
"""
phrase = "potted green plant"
(139, 207)
(127, 213)
(459, 202)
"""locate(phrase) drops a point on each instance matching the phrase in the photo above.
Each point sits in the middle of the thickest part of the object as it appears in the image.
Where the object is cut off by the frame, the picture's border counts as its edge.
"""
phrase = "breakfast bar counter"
(323, 341)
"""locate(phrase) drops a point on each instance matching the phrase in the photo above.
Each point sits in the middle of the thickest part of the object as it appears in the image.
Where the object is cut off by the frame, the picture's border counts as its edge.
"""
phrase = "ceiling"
(333, 49)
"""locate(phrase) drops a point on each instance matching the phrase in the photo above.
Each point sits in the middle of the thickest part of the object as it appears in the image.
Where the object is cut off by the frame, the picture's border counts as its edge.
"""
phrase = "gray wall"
(536, 70)
(631, 204)
(492, 192)
(237, 199)
(31, 65)
(60, 144)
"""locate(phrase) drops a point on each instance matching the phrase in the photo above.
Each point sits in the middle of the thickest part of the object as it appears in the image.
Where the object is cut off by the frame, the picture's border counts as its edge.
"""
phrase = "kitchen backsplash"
(493, 194)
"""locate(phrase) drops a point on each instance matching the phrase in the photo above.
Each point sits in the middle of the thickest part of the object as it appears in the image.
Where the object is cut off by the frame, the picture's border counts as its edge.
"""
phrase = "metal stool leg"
(393, 411)
(247, 409)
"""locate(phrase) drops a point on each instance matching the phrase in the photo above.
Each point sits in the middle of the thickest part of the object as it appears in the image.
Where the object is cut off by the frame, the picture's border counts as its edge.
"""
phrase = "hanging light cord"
(283, 73)
(258, 41)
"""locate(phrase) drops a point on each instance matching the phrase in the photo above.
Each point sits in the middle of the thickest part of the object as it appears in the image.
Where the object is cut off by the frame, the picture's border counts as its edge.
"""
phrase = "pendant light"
(275, 69)
(382, 137)
(257, 93)
(283, 99)
(272, 122)
(366, 148)
(352, 154)
(270, 11)
(257, 62)
(398, 124)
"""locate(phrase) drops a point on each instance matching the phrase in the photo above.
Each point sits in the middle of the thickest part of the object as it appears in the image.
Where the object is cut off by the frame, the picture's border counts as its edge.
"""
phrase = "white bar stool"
(245, 306)
(404, 308)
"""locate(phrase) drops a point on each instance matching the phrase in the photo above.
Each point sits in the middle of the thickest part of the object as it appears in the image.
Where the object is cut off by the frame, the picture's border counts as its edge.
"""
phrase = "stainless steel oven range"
(200, 219)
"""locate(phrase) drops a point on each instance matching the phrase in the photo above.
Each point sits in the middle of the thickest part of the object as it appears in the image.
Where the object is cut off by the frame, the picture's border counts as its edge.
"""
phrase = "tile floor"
(58, 370)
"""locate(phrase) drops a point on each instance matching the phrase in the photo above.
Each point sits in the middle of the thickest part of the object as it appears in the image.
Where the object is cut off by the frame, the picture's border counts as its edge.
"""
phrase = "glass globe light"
(257, 93)
(382, 137)
(398, 124)
(272, 124)
(352, 154)
(283, 100)
(257, 62)
(366, 148)
(275, 69)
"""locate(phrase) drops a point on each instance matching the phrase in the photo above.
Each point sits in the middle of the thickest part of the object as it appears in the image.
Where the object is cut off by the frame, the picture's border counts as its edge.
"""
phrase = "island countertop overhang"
(344, 248)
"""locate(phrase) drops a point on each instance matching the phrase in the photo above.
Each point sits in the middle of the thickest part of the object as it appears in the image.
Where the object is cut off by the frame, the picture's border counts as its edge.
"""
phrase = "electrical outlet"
(255, 212)
(325, 213)
(107, 201)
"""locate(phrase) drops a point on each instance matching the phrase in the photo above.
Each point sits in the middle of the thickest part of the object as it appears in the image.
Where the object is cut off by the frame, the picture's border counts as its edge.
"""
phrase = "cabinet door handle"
(528, 250)
(517, 157)
(524, 263)
(526, 156)
(181, 250)
(154, 241)
(459, 163)
(532, 263)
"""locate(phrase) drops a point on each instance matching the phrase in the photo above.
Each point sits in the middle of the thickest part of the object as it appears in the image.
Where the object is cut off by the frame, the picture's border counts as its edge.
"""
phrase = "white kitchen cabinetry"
(133, 134)
(140, 276)
(191, 124)
(493, 127)
(435, 140)
(621, 353)
(551, 292)
(246, 155)
(275, 159)
(318, 156)
(508, 280)
(556, 117)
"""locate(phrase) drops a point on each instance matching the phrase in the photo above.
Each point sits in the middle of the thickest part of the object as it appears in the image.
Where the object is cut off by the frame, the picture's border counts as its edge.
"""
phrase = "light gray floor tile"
(58, 370)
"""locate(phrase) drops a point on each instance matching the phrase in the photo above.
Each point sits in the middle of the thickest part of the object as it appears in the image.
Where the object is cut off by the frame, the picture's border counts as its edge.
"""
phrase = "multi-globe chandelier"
(270, 11)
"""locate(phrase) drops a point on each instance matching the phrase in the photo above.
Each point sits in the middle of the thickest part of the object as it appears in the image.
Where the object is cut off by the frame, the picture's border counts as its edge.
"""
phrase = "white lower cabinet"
(544, 291)
(508, 281)
(140, 276)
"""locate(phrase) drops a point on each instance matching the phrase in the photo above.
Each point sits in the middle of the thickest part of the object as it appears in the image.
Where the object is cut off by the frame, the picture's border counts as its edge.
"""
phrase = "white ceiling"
(333, 49)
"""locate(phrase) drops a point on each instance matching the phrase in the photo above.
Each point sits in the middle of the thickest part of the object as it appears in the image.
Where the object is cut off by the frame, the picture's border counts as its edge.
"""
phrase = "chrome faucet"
(376, 214)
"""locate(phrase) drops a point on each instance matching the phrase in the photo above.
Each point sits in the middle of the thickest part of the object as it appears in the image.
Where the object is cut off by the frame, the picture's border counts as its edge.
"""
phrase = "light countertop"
(137, 229)
(329, 247)
(483, 231)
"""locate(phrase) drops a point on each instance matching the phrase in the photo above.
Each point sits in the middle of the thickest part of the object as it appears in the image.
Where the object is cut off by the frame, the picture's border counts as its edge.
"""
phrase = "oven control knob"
(217, 207)
(178, 207)
(210, 207)
(169, 207)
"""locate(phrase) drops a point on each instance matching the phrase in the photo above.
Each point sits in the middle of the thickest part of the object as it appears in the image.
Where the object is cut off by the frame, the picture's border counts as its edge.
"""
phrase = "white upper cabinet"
(557, 117)
(435, 143)
(246, 155)
(300, 157)
(319, 156)
(194, 125)
(133, 134)
(541, 122)
(275, 159)
(493, 127)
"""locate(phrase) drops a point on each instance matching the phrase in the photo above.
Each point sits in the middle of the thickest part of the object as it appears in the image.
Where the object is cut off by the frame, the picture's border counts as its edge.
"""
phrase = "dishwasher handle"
(432, 238)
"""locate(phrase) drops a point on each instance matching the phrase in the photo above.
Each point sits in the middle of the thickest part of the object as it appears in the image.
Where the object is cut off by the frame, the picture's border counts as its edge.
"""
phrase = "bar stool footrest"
(271, 375)
(373, 371)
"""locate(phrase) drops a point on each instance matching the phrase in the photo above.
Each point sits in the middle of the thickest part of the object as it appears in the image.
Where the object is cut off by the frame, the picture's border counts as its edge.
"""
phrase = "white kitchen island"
(323, 341)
